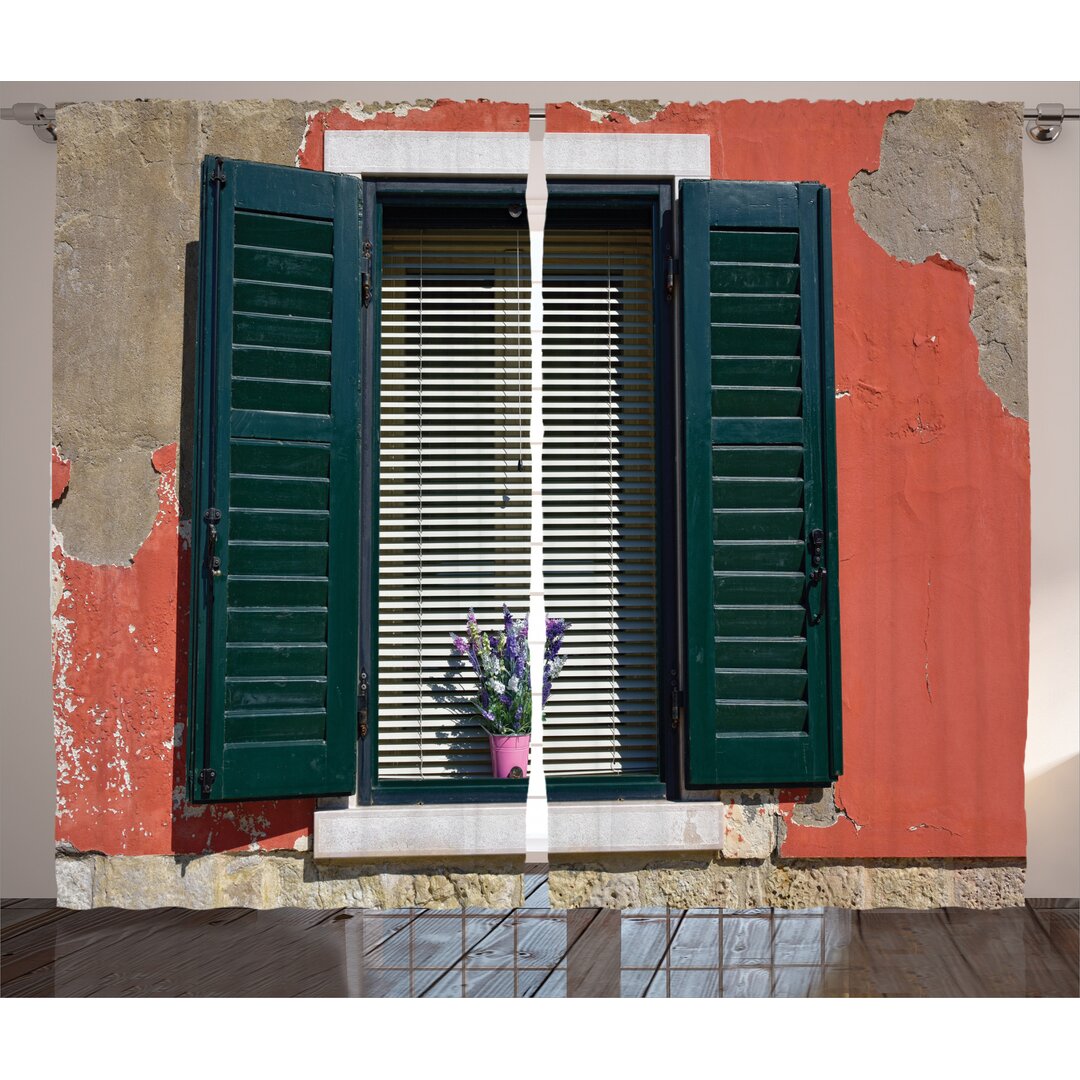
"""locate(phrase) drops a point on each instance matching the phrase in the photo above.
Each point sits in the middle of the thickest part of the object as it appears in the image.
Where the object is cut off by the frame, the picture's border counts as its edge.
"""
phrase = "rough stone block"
(75, 881)
(808, 884)
(995, 886)
(908, 886)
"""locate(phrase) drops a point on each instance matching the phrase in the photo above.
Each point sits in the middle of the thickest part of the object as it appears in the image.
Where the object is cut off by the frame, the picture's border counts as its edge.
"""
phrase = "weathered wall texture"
(290, 879)
(933, 463)
(125, 294)
(950, 183)
(282, 879)
(696, 881)
(933, 476)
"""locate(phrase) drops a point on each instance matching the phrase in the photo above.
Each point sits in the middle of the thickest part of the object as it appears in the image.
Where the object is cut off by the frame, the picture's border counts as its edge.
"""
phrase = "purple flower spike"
(500, 661)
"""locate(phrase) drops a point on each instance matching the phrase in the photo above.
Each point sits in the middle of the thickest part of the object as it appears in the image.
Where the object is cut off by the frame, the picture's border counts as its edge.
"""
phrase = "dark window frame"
(602, 197)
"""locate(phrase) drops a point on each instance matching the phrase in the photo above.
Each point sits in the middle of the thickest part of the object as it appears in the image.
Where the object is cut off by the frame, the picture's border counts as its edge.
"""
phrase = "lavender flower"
(500, 661)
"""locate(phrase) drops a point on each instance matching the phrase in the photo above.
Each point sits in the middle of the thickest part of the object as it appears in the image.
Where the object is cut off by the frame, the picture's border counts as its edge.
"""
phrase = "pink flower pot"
(509, 752)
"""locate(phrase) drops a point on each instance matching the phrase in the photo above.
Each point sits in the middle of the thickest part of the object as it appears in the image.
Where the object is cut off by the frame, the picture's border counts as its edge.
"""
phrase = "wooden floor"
(537, 951)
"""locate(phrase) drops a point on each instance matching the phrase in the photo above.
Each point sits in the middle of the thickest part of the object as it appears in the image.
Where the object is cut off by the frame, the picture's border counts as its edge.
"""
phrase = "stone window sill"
(578, 828)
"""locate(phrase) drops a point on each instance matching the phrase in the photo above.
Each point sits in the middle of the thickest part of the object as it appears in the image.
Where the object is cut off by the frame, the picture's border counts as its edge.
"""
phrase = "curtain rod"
(1043, 122)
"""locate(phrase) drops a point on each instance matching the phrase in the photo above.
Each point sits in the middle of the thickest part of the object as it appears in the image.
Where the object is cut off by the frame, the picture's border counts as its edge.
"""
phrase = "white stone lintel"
(364, 832)
(626, 156)
(427, 153)
(506, 153)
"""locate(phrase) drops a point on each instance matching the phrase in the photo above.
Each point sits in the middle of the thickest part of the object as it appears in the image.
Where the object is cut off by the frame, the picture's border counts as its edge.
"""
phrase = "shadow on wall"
(1052, 799)
(184, 457)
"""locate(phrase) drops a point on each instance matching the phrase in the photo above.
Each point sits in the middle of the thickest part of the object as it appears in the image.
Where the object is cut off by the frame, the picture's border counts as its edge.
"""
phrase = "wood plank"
(746, 431)
(279, 492)
(593, 953)
(285, 267)
(281, 395)
(263, 726)
(269, 363)
(283, 525)
(757, 461)
(281, 625)
(761, 652)
(734, 587)
(751, 278)
(757, 371)
(782, 310)
(267, 559)
(757, 493)
(762, 339)
(277, 298)
(761, 716)
(777, 555)
(288, 233)
(760, 684)
(272, 658)
(760, 621)
(281, 332)
(780, 524)
(752, 401)
(308, 693)
(275, 458)
(278, 592)
(749, 245)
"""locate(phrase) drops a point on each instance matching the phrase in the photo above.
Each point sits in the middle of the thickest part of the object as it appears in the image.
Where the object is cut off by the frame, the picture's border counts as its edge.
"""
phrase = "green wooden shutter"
(273, 689)
(763, 691)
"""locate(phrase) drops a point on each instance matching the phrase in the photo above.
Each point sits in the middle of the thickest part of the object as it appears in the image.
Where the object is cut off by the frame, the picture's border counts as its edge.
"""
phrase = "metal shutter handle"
(817, 573)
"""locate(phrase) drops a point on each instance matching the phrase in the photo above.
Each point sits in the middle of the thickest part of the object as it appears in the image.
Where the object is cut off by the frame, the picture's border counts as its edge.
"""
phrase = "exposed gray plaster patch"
(127, 219)
(951, 182)
(368, 110)
(819, 811)
(636, 111)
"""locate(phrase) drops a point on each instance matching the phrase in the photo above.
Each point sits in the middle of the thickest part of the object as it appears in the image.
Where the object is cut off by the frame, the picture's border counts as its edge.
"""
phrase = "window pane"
(453, 480)
(600, 499)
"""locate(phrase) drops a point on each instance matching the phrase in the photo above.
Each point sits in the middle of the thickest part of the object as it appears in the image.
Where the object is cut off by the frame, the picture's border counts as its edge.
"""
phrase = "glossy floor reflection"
(537, 951)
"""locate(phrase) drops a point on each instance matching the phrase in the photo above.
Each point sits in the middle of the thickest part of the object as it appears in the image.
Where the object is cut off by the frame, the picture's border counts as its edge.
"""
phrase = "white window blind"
(599, 498)
(453, 500)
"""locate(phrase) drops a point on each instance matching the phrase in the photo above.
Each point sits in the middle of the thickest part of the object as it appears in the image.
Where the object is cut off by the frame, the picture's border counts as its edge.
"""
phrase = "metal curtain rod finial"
(34, 115)
(1045, 120)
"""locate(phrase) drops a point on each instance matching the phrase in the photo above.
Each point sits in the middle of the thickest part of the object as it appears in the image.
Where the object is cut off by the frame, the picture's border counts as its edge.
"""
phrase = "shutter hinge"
(207, 777)
(212, 517)
(669, 278)
(678, 699)
(365, 275)
(362, 705)
(218, 175)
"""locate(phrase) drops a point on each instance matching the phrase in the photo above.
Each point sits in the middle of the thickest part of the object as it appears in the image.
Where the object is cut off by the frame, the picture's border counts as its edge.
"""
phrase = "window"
(451, 430)
(362, 480)
(449, 427)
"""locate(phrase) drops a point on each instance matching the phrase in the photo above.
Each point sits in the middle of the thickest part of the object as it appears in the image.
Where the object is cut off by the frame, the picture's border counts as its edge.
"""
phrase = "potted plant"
(503, 703)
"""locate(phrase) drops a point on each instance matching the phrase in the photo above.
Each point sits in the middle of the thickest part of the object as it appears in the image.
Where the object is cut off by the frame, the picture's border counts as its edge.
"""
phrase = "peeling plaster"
(119, 705)
(636, 112)
(933, 482)
(925, 456)
(424, 115)
(949, 188)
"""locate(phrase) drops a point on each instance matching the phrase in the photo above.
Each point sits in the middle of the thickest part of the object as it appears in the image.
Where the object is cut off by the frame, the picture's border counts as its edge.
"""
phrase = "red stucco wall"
(934, 538)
